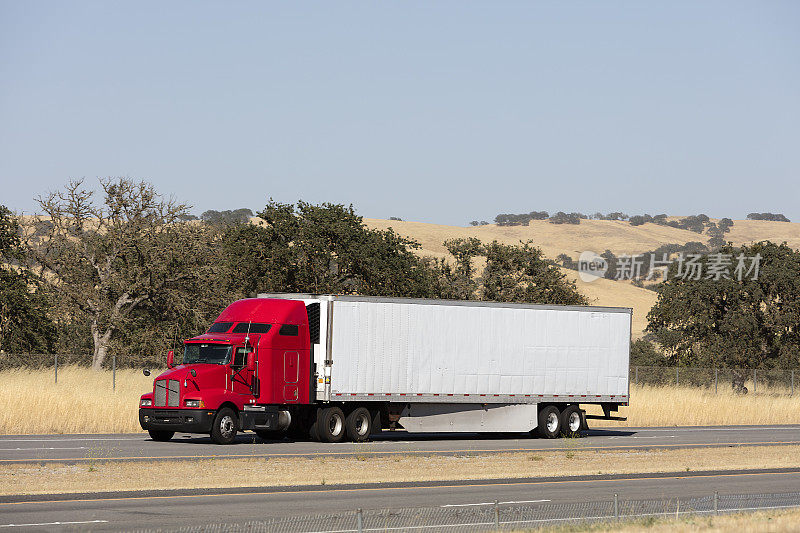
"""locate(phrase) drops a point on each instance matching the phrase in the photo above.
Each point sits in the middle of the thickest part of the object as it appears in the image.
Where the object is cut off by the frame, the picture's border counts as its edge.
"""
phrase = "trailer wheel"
(571, 421)
(330, 425)
(359, 424)
(549, 422)
(160, 436)
(224, 429)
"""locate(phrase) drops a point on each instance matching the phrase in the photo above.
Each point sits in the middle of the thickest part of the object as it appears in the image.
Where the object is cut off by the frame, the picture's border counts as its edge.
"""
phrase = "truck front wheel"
(549, 422)
(330, 425)
(225, 424)
(161, 436)
(359, 424)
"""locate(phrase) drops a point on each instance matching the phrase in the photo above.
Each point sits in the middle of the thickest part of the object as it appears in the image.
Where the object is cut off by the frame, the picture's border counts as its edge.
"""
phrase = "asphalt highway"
(175, 509)
(139, 447)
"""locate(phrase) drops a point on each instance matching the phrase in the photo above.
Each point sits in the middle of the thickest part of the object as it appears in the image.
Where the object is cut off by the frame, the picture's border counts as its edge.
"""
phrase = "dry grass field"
(774, 521)
(696, 406)
(571, 458)
(83, 402)
(595, 235)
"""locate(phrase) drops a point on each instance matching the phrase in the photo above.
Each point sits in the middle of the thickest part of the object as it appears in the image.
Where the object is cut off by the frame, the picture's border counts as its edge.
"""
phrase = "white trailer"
(465, 366)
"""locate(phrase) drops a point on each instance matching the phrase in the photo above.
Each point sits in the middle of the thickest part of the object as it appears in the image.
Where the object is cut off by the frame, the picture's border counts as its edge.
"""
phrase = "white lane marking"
(491, 503)
(640, 437)
(56, 523)
(35, 449)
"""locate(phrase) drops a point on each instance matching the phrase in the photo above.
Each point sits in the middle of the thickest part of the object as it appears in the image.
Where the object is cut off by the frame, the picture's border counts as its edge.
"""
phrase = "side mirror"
(146, 372)
(193, 372)
(251, 361)
(170, 358)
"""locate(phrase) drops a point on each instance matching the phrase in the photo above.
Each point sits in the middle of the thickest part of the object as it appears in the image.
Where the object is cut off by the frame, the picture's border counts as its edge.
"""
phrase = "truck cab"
(257, 352)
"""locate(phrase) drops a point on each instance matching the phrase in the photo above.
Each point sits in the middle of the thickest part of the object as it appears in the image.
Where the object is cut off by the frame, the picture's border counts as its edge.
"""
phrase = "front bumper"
(180, 420)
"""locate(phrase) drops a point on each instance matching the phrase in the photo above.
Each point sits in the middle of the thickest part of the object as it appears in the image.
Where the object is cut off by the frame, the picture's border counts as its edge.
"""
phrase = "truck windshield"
(216, 354)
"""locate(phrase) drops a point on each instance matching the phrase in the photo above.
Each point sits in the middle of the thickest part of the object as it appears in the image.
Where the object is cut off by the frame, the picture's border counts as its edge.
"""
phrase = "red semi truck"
(343, 367)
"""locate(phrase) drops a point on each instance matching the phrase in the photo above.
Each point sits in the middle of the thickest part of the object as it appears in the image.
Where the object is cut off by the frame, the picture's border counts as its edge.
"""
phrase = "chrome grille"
(161, 392)
(173, 399)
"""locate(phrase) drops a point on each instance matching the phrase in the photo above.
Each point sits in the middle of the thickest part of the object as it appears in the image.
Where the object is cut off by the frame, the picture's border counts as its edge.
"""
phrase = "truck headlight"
(146, 403)
(194, 403)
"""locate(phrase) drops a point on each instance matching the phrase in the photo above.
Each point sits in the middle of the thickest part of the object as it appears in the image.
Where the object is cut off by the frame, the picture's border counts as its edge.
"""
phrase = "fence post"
(616, 506)
(754, 381)
(792, 382)
(360, 520)
(496, 515)
(636, 379)
(114, 373)
(677, 369)
(716, 502)
(715, 380)
(56, 358)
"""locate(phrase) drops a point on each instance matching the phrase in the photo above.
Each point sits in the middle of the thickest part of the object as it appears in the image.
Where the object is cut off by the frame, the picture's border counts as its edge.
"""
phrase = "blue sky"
(434, 111)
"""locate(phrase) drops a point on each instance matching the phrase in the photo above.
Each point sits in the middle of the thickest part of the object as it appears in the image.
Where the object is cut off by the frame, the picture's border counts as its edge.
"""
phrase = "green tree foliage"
(567, 218)
(566, 261)
(725, 225)
(523, 219)
(125, 260)
(24, 324)
(512, 273)
(644, 353)
(752, 323)
(223, 218)
(616, 215)
(458, 282)
(323, 248)
(521, 274)
(774, 217)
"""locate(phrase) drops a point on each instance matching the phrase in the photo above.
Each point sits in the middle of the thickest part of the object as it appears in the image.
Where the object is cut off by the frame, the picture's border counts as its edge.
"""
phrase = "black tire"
(226, 423)
(571, 422)
(330, 426)
(160, 436)
(358, 424)
(549, 422)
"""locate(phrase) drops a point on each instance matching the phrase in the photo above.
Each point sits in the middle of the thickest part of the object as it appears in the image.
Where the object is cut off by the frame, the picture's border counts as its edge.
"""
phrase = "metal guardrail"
(502, 516)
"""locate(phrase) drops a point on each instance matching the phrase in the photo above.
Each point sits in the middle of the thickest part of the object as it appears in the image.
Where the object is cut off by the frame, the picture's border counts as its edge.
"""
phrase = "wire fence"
(53, 362)
(740, 380)
(503, 516)
(40, 361)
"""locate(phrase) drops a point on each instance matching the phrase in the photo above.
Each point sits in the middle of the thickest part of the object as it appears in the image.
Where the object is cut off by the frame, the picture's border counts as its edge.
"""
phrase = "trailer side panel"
(461, 353)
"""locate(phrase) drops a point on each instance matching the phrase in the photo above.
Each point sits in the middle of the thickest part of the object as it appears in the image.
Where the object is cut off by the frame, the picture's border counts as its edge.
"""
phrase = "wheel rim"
(552, 422)
(361, 425)
(335, 425)
(574, 422)
(226, 427)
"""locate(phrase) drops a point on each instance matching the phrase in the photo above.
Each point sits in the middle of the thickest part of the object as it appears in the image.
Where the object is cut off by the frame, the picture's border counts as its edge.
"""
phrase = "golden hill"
(595, 235)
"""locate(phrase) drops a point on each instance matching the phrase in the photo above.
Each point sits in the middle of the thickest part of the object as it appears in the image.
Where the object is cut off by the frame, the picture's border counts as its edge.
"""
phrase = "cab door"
(241, 377)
